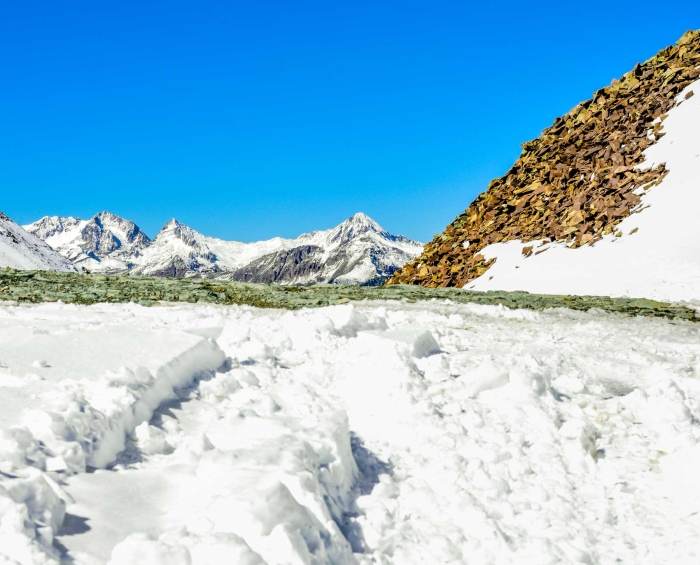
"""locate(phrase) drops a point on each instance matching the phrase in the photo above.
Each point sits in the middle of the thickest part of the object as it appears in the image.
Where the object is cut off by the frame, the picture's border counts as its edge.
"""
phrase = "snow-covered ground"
(358, 433)
(658, 255)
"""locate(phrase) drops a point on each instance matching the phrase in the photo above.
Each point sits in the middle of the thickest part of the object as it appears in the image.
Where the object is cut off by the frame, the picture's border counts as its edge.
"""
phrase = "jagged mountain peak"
(124, 228)
(362, 222)
(356, 251)
(106, 242)
(179, 230)
(355, 226)
(109, 216)
(51, 225)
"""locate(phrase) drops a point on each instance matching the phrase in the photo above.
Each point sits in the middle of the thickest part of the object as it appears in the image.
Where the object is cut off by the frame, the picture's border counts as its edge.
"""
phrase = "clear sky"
(250, 119)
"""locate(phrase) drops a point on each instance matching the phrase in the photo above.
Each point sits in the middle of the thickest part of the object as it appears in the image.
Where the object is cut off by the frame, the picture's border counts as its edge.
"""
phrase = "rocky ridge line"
(574, 183)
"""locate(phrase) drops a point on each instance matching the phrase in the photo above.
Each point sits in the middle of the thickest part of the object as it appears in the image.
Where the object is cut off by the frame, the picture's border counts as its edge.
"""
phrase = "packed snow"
(375, 432)
(22, 250)
(658, 254)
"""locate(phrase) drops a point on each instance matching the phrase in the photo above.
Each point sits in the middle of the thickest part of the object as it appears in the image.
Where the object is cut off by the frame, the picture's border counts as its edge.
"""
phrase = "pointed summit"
(173, 224)
(356, 226)
(177, 229)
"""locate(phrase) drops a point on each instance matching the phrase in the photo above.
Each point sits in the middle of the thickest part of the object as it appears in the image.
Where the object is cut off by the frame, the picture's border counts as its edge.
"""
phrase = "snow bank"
(658, 255)
(74, 383)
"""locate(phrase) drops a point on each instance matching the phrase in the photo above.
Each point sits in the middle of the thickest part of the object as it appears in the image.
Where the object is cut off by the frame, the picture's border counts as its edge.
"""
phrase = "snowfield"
(370, 433)
(658, 254)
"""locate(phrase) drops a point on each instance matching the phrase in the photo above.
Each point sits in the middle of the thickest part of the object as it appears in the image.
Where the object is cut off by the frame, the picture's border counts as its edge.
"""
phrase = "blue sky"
(248, 120)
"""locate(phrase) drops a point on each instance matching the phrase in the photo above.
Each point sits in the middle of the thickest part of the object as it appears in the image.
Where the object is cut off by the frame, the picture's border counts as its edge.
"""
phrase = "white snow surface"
(22, 250)
(377, 432)
(110, 244)
(658, 255)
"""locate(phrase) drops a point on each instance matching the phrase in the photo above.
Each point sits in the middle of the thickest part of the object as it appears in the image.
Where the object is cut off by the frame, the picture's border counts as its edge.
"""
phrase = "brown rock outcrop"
(575, 182)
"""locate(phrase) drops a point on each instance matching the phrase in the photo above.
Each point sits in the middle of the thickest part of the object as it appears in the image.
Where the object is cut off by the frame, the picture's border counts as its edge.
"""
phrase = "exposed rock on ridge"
(576, 182)
(104, 243)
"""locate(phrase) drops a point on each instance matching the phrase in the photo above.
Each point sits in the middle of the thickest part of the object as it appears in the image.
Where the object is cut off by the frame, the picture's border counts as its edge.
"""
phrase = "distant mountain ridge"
(357, 251)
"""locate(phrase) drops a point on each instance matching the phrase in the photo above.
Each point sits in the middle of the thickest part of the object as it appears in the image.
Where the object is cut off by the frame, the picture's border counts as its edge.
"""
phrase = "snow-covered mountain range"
(21, 250)
(358, 251)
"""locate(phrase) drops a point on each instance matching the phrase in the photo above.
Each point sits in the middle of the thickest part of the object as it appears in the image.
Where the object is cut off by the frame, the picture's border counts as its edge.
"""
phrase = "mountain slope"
(22, 250)
(658, 252)
(576, 185)
(358, 251)
(106, 243)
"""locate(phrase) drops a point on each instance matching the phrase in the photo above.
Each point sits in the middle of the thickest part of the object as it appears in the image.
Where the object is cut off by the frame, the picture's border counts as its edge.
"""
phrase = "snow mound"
(96, 381)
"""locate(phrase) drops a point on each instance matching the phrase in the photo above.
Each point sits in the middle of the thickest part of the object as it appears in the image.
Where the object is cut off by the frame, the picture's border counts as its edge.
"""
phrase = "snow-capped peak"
(362, 223)
(49, 226)
(178, 230)
(355, 226)
(106, 242)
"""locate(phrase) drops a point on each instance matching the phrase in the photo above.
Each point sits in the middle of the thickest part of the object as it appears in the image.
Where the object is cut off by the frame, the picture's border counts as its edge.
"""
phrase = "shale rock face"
(574, 183)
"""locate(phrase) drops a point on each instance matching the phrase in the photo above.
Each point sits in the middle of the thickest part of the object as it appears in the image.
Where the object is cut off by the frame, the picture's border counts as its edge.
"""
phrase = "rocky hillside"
(22, 250)
(358, 251)
(574, 185)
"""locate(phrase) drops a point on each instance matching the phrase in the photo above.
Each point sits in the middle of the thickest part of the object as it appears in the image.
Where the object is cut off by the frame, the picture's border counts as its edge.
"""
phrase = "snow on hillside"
(373, 433)
(22, 250)
(178, 250)
(357, 251)
(106, 243)
(658, 254)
